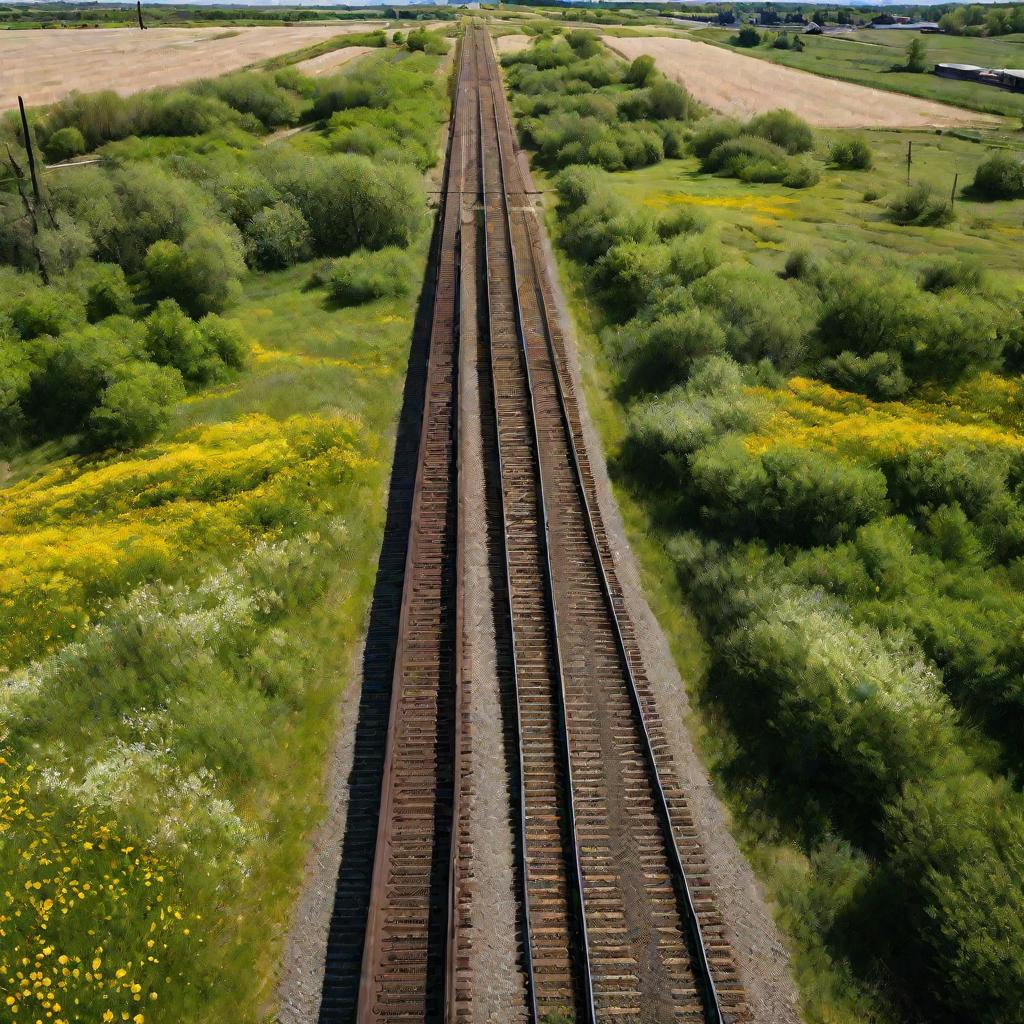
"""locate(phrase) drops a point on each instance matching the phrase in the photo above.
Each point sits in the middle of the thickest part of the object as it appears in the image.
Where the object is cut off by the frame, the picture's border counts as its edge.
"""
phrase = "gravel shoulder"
(743, 86)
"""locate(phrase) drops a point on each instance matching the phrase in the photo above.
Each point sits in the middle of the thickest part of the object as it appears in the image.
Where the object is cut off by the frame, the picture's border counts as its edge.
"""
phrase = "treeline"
(977, 20)
(576, 103)
(111, 306)
(862, 588)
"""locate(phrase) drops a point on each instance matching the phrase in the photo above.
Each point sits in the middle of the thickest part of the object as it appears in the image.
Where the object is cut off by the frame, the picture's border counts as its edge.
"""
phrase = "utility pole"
(910, 147)
(28, 149)
(138, 10)
(952, 195)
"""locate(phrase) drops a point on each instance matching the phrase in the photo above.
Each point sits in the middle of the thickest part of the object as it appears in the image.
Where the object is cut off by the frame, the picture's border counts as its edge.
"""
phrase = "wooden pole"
(910, 147)
(952, 195)
(28, 149)
(138, 10)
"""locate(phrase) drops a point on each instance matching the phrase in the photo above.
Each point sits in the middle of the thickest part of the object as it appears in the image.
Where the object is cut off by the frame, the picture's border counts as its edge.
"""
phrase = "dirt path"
(512, 44)
(45, 66)
(743, 86)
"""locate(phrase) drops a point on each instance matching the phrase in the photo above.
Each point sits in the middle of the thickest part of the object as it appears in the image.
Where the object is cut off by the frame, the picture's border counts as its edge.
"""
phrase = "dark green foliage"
(201, 352)
(853, 154)
(277, 236)
(917, 57)
(39, 311)
(711, 132)
(107, 292)
(349, 202)
(965, 273)
(669, 101)
(764, 318)
(1000, 176)
(134, 407)
(64, 144)
(424, 41)
(747, 37)
(201, 274)
(365, 276)
(879, 375)
(585, 44)
(629, 272)
(252, 92)
(920, 204)
(784, 129)
(641, 72)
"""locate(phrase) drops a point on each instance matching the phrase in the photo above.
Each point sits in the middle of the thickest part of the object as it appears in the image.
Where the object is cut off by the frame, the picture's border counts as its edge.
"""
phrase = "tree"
(917, 55)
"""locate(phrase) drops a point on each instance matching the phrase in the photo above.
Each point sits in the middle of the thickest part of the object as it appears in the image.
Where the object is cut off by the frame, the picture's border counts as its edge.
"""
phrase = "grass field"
(867, 57)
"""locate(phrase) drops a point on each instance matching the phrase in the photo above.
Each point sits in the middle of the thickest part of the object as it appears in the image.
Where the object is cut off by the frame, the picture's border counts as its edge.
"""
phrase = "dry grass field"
(332, 61)
(45, 66)
(744, 86)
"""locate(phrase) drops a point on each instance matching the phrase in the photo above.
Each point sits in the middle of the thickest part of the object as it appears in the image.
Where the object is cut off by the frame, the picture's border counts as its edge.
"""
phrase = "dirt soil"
(744, 86)
(45, 66)
(332, 61)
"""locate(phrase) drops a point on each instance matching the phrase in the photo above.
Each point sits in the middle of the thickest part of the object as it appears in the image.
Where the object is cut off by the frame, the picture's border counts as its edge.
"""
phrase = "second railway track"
(618, 920)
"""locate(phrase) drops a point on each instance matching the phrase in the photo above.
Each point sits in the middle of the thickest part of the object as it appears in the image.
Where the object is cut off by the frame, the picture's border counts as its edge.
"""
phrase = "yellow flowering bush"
(83, 532)
(92, 927)
(810, 414)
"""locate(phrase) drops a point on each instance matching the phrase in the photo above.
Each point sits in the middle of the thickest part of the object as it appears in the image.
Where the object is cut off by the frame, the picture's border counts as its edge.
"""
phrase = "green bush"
(966, 273)
(63, 144)
(39, 311)
(920, 204)
(747, 37)
(693, 256)
(349, 202)
(629, 272)
(784, 129)
(852, 153)
(201, 275)
(201, 352)
(641, 72)
(659, 355)
(792, 495)
(1000, 176)
(763, 317)
(426, 42)
(669, 101)
(879, 375)
(365, 276)
(585, 44)
(107, 292)
(252, 92)
(751, 158)
(276, 237)
(134, 407)
(710, 133)
(16, 370)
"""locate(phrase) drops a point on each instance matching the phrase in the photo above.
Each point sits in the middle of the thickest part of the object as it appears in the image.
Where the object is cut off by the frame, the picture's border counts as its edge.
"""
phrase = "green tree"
(917, 56)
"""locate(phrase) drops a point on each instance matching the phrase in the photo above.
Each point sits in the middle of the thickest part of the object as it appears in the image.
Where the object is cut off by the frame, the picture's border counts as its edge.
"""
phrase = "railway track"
(618, 918)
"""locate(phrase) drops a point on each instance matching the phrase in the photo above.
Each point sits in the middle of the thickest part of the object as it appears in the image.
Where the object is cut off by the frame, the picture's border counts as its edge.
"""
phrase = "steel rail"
(373, 942)
(713, 1009)
(577, 871)
(523, 861)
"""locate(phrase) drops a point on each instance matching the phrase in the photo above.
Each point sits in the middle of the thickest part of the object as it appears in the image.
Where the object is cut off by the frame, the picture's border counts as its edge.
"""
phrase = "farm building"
(1002, 78)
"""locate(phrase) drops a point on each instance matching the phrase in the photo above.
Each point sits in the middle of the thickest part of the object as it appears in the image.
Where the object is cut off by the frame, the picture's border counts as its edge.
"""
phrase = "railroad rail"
(619, 921)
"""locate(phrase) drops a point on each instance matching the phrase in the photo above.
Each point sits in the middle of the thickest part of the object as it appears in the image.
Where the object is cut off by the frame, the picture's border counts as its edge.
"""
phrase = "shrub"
(72, 371)
(852, 154)
(426, 42)
(251, 92)
(747, 37)
(202, 274)
(693, 256)
(787, 494)
(107, 292)
(135, 407)
(585, 44)
(711, 133)
(41, 311)
(763, 317)
(63, 144)
(225, 338)
(365, 276)
(784, 129)
(917, 57)
(751, 158)
(172, 339)
(660, 355)
(683, 220)
(921, 205)
(16, 370)
(669, 101)
(630, 272)
(276, 237)
(1000, 176)
(641, 72)
(963, 272)
(350, 202)
(783, 42)
(879, 375)
(802, 265)
(577, 185)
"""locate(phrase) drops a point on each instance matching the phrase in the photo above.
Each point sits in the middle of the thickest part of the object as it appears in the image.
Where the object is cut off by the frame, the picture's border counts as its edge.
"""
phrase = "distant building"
(813, 29)
(1002, 78)
(910, 26)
